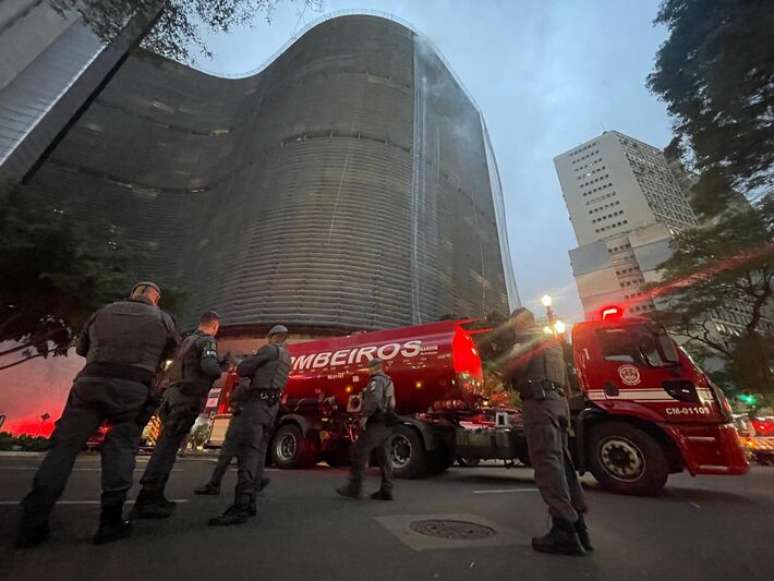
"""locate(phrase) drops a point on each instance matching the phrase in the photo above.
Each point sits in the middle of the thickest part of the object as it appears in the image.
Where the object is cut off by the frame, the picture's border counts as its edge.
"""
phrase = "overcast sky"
(548, 75)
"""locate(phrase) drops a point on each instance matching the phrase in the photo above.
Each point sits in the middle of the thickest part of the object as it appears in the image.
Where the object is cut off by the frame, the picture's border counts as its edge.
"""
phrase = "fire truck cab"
(643, 409)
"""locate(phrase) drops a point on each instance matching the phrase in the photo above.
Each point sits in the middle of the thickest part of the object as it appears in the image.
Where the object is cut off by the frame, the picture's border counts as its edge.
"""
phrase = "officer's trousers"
(374, 439)
(178, 413)
(546, 425)
(227, 453)
(92, 400)
(250, 430)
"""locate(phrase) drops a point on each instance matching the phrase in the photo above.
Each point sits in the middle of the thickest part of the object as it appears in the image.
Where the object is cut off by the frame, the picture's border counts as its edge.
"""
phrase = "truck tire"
(289, 448)
(407, 453)
(627, 460)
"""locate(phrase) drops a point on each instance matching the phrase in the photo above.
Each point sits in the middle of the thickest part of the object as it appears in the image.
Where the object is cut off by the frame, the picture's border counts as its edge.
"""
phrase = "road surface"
(710, 528)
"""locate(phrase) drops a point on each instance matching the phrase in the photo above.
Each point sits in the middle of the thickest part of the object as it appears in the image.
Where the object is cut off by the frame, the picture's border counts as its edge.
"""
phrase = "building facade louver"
(350, 184)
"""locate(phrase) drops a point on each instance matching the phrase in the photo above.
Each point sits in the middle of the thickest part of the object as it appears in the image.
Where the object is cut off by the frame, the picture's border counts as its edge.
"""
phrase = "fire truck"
(641, 408)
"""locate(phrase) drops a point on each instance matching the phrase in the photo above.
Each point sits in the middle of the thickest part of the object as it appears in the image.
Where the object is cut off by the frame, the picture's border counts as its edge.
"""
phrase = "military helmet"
(278, 330)
(375, 362)
(143, 283)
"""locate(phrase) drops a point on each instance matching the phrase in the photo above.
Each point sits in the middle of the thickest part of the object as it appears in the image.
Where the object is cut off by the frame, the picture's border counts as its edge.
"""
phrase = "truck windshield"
(639, 344)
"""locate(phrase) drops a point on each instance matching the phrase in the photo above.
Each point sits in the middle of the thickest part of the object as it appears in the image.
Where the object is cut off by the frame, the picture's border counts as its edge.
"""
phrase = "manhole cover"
(451, 529)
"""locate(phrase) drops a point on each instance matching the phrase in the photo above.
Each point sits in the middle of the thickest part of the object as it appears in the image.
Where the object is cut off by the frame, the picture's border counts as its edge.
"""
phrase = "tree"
(716, 74)
(57, 270)
(181, 25)
(724, 267)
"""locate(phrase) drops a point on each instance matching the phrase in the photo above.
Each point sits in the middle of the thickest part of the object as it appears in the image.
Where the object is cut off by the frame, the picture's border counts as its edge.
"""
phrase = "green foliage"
(25, 443)
(57, 270)
(724, 266)
(182, 24)
(716, 74)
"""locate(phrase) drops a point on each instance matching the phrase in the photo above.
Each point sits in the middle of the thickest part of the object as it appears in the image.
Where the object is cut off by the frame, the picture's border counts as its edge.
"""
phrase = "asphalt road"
(707, 529)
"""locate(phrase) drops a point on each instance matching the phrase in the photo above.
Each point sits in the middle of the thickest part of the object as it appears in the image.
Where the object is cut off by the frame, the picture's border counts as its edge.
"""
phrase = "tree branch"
(34, 340)
(15, 349)
(15, 363)
(705, 339)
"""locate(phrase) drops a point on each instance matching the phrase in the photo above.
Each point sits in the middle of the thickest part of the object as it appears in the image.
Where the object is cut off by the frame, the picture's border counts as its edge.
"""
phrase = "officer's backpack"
(175, 372)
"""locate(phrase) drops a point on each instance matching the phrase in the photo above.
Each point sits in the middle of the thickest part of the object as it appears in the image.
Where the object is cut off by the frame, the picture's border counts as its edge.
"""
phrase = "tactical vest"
(273, 374)
(128, 333)
(548, 364)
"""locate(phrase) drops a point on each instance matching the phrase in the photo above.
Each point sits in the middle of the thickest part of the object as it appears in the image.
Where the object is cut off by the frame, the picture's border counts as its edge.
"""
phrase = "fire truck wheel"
(627, 460)
(407, 453)
(289, 448)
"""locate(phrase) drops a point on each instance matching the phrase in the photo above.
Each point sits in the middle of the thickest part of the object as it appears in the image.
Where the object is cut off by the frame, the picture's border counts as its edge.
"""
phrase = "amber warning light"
(613, 312)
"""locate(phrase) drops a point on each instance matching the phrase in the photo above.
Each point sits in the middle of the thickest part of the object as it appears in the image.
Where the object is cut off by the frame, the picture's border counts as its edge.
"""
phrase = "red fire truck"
(642, 409)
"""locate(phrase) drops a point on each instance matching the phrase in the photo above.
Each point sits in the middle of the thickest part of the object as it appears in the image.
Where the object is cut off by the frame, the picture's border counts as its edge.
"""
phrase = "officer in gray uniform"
(190, 375)
(227, 453)
(376, 410)
(255, 405)
(536, 368)
(124, 344)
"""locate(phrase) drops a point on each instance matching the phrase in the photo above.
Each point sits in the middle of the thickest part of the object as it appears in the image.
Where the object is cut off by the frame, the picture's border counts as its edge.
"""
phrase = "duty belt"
(270, 396)
(537, 389)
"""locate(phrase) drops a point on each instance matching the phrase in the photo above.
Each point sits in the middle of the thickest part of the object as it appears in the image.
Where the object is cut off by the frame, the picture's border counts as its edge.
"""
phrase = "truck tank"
(433, 366)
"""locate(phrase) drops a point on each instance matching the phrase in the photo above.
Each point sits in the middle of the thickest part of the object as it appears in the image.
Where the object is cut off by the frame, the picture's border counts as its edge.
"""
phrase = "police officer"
(255, 405)
(124, 344)
(376, 409)
(536, 368)
(227, 453)
(191, 374)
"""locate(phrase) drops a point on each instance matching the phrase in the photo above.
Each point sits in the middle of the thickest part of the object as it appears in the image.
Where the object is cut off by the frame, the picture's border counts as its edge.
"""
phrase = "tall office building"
(350, 184)
(625, 205)
(51, 63)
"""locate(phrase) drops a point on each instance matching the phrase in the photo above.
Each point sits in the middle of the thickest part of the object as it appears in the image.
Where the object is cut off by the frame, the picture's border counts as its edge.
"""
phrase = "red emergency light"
(613, 312)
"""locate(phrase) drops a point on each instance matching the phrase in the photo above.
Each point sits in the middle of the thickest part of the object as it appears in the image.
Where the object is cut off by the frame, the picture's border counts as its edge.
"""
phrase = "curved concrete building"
(348, 185)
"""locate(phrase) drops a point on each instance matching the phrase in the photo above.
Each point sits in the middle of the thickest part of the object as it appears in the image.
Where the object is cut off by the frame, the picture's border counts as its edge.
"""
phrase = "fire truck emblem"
(629, 374)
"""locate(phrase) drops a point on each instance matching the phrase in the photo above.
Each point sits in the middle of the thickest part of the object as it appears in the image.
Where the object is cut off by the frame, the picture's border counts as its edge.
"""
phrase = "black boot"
(152, 504)
(112, 527)
(383, 494)
(29, 537)
(583, 534)
(350, 491)
(561, 540)
(112, 532)
(235, 515)
(209, 489)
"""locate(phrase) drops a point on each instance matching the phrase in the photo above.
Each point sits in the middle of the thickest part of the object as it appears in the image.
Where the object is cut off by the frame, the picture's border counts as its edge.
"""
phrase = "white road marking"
(78, 502)
(31, 468)
(234, 466)
(504, 490)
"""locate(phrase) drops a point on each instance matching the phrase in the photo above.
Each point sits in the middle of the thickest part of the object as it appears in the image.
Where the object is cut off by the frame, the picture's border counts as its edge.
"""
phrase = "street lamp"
(546, 300)
(560, 327)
